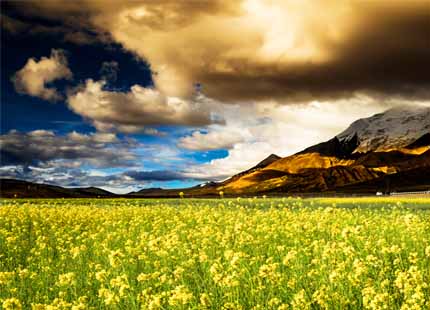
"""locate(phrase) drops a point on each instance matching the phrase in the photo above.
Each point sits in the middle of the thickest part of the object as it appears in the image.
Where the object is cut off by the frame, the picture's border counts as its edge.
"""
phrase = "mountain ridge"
(13, 188)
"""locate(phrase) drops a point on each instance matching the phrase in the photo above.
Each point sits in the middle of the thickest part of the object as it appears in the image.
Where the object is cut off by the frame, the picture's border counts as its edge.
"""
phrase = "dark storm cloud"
(267, 49)
(386, 54)
(71, 33)
(45, 149)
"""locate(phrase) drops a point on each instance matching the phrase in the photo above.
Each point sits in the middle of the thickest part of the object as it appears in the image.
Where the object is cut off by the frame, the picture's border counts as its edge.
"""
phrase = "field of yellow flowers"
(284, 253)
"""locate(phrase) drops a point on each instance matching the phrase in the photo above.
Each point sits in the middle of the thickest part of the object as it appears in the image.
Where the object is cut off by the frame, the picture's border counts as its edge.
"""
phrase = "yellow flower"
(155, 303)
(6, 277)
(11, 304)
(115, 258)
(180, 296)
(291, 255)
(66, 279)
(143, 277)
(299, 301)
(274, 302)
(205, 300)
(427, 251)
(101, 275)
(109, 297)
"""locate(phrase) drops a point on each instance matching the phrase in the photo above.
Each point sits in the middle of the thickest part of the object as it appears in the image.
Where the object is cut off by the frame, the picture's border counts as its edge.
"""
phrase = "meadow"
(283, 253)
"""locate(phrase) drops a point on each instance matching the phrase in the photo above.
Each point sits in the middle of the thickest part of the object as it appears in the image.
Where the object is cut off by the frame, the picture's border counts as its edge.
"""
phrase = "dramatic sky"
(167, 93)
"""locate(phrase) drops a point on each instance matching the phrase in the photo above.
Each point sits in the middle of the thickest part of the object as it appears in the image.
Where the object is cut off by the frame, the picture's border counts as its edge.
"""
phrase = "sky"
(125, 95)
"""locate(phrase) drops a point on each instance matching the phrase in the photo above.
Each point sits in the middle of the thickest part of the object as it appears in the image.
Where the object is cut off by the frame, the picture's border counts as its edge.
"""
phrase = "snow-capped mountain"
(392, 129)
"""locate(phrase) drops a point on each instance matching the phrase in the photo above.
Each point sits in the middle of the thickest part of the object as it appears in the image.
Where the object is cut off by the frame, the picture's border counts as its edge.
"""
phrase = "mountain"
(387, 148)
(146, 191)
(262, 164)
(335, 147)
(10, 188)
(265, 162)
(92, 191)
(393, 129)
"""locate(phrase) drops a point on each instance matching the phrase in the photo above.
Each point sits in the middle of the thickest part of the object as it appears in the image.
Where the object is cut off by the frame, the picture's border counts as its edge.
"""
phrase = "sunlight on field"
(352, 253)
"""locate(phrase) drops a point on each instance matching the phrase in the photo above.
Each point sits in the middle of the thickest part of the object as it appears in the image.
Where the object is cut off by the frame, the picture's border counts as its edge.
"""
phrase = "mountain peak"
(335, 147)
(392, 129)
(267, 161)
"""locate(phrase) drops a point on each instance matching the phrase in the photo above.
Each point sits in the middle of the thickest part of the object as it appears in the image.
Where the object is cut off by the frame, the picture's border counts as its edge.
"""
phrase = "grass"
(331, 253)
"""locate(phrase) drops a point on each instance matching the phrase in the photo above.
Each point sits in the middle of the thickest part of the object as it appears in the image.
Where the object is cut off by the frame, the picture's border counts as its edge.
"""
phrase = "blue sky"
(105, 93)
(26, 113)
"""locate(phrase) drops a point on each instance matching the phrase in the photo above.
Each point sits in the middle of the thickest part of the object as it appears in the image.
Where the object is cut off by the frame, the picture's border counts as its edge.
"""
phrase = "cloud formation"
(34, 77)
(44, 148)
(282, 75)
(131, 111)
(73, 33)
(283, 49)
(271, 127)
(265, 49)
(212, 140)
(124, 182)
(70, 177)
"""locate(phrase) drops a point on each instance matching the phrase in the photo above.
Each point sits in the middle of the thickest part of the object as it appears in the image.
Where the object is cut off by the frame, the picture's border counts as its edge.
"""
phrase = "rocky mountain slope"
(393, 129)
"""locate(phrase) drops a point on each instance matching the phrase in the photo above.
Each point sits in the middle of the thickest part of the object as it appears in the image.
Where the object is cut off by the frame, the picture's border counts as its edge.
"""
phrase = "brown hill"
(316, 173)
(10, 188)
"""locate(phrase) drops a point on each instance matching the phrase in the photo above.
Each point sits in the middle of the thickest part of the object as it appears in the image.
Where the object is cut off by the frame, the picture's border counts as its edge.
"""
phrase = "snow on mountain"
(394, 128)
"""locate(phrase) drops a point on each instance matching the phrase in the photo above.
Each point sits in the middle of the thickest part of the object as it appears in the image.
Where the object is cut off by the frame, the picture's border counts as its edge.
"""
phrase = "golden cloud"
(260, 49)
(33, 78)
(131, 111)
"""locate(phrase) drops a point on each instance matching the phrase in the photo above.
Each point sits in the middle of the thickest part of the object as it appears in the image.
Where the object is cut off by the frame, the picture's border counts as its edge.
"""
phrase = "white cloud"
(33, 78)
(213, 140)
(131, 111)
(269, 127)
(128, 129)
(241, 157)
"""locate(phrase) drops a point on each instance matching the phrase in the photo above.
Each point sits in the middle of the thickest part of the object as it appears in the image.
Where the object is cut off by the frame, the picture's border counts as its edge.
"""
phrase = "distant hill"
(146, 191)
(10, 188)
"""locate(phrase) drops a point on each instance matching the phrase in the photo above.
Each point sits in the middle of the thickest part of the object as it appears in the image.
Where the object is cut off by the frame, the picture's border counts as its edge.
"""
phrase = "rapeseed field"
(245, 253)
